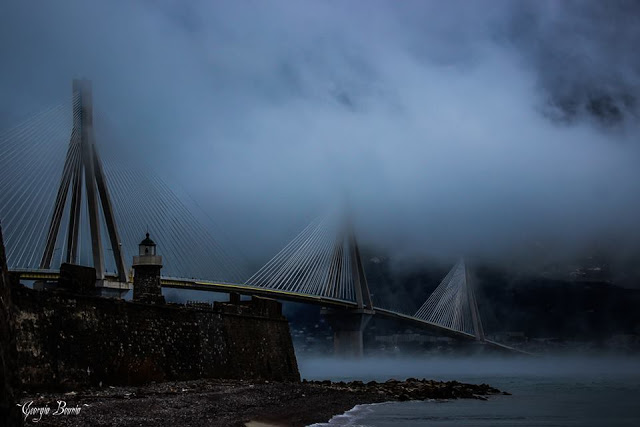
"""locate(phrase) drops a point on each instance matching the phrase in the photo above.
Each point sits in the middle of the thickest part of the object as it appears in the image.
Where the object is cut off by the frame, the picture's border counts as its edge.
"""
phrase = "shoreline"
(351, 413)
(237, 402)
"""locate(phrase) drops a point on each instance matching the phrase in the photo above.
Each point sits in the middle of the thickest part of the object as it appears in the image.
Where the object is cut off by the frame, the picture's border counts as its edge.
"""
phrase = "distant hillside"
(539, 307)
(554, 308)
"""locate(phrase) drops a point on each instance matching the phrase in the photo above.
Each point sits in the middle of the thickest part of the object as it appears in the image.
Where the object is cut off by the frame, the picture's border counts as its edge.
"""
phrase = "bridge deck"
(244, 289)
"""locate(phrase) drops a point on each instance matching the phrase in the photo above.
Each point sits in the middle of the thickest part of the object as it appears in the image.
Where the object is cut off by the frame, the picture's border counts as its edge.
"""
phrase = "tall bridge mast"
(83, 168)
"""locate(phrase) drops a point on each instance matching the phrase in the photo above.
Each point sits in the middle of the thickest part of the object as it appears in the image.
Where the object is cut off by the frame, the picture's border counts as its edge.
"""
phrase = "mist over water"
(479, 366)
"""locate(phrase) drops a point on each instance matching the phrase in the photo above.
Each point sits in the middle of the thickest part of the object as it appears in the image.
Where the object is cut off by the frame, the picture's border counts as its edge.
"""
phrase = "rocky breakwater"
(412, 389)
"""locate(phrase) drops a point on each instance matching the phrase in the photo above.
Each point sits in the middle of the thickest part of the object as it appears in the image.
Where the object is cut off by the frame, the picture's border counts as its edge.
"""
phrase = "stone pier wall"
(69, 340)
(8, 380)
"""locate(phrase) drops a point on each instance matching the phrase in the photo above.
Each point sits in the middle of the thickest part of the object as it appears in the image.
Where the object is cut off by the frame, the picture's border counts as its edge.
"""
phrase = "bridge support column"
(348, 327)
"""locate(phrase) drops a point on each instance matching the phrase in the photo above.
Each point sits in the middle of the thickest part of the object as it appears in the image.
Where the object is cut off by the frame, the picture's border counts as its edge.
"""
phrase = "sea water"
(557, 391)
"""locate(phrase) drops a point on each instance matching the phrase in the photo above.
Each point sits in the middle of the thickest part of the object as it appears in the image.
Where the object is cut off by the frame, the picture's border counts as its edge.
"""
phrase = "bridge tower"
(324, 261)
(83, 171)
(348, 324)
(478, 330)
(453, 304)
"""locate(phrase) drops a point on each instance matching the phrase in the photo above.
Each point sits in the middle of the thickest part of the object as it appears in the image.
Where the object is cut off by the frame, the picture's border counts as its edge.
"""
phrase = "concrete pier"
(348, 327)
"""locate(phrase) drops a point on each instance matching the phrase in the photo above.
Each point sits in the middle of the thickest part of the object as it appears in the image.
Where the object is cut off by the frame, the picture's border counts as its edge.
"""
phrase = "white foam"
(350, 417)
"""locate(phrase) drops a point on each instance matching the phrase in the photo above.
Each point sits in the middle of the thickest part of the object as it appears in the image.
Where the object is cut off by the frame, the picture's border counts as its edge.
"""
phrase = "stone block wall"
(69, 340)
(77, 279)
(146, 284)
(8, 409)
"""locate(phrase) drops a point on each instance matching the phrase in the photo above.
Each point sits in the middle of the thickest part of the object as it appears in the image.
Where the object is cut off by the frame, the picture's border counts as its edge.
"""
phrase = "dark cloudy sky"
(454, 127)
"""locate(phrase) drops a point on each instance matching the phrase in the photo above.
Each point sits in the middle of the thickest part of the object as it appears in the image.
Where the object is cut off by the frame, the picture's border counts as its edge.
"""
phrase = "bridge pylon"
(324, 262)
(478, 330)
(348, 324)
(453, 304)
(348, 327)
(83, 170)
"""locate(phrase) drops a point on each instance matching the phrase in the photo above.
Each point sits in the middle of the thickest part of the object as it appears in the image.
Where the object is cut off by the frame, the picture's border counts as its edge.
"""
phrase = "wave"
(350, 417)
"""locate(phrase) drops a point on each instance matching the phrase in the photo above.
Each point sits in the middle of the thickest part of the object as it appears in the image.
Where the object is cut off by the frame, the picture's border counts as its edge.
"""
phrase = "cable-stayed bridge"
(61, 202)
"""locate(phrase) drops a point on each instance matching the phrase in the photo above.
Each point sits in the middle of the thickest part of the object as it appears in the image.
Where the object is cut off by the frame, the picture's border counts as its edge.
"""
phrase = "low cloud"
(460, 128)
